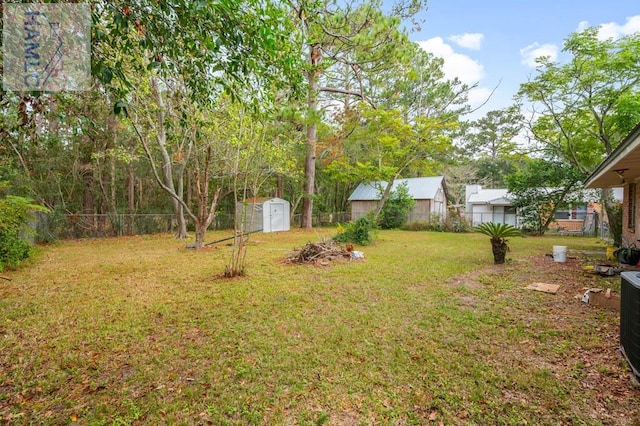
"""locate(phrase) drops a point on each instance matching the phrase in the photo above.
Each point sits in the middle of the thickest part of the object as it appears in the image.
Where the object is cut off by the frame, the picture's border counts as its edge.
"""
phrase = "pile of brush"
(321, 252)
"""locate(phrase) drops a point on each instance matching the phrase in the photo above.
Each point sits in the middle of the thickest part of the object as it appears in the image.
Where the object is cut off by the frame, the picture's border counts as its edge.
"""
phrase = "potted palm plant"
(498, 234)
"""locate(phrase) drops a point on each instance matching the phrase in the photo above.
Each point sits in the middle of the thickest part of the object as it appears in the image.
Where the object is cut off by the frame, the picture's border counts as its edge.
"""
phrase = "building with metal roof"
(429, 193)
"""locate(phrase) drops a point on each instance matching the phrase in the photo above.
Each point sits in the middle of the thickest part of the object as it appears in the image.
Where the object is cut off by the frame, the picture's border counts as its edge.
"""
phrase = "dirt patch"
(472, 279)
(576, 342)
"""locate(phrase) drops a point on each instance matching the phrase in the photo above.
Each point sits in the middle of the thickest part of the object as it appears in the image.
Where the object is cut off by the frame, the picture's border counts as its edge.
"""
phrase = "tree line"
(197, 105)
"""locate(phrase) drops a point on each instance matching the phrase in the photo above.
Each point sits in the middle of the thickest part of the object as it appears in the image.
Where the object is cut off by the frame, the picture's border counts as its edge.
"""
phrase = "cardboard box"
(598, 297)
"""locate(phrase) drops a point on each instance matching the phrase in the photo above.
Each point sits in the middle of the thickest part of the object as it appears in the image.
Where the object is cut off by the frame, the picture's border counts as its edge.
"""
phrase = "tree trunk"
(201, 230)
(279, 186)
(181, 228)
(88, 206)
(310, 158)
(499, 249)
(614, 216)
(181, 221)
(131, 201)
(383, 199)
(167, 165)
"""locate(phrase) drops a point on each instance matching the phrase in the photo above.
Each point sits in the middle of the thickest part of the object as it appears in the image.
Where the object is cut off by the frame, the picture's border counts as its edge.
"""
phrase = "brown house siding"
(361, 208)
(421, 211)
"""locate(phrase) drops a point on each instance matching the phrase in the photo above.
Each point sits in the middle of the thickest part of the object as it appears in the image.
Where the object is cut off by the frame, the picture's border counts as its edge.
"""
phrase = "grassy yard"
(140, 330)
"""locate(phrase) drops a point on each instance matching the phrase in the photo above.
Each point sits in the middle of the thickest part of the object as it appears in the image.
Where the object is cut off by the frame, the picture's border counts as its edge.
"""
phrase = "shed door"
(276, 217)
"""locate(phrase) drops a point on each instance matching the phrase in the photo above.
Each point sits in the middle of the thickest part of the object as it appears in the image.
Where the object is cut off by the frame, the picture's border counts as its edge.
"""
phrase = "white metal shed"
(264, 214)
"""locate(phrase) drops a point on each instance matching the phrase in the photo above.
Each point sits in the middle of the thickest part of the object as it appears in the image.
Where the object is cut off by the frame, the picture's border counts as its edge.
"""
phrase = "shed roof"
(260, 200)
(424, 188)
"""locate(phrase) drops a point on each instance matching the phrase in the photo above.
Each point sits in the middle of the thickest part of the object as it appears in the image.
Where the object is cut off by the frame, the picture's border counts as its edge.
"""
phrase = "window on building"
(574, 212)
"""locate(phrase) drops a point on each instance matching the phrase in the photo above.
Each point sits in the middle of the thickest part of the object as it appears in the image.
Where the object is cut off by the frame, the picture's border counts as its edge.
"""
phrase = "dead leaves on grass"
(575, 342)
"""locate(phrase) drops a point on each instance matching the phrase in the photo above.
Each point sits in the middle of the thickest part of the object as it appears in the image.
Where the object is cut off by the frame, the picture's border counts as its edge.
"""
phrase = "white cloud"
(465, 68)
(582, 25)
(471, 41)
(478, 96)
(613, 29)
(537, 50)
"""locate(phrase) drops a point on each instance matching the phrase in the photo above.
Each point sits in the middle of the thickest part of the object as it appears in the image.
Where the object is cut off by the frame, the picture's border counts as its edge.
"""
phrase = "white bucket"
(560, 254)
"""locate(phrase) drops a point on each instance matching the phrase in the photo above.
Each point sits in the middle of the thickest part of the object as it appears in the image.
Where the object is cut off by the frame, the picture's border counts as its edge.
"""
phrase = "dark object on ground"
(222, 239)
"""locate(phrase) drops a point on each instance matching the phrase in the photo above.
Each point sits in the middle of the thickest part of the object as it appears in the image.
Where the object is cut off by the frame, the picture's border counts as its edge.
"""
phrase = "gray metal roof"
(490, 196)
(424, 188)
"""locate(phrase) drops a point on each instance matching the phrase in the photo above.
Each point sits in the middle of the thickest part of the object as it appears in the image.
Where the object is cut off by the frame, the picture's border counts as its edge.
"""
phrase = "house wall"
(572, 225)
(480, 213)
(468, 192)
(483, 213)
(421, 212)
(439, 205)
(361, 208)
(631, 230)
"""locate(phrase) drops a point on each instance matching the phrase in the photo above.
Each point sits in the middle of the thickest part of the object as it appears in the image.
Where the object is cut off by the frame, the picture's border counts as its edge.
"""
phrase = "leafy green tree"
(344, 42)
(583, 108)
(237, 46)
(491, 145)
(386, 147)
(409, 131)
(493, 173)
(492, 136)
(539, 189)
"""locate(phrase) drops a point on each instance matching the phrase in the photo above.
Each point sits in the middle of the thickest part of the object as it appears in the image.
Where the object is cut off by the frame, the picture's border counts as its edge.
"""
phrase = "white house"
(489, 205)
(495, 205)
(430, 194)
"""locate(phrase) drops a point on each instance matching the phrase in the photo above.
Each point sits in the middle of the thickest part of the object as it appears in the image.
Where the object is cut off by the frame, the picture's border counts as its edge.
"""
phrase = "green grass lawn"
(141, 330)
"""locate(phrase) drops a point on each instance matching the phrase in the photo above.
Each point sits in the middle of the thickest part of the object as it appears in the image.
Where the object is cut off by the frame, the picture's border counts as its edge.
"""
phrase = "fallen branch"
(5, 278)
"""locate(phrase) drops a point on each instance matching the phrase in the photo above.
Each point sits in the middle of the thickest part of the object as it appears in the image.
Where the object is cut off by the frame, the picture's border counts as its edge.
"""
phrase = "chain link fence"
(56, 226)
(53, 226)
(322, 219)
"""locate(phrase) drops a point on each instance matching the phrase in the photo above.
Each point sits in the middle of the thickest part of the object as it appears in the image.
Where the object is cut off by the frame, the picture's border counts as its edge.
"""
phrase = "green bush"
(15, 213)
(395, 211)
(360, 232)
(13, 250)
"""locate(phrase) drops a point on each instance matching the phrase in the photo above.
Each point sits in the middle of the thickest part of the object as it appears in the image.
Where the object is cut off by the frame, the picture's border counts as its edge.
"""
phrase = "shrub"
(13, 250)
(498, 234)
(395, 211)
(360, 232)
(15, 213)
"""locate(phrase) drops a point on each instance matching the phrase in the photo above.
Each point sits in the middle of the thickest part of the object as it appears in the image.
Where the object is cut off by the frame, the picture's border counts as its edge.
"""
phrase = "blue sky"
(493, 41)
